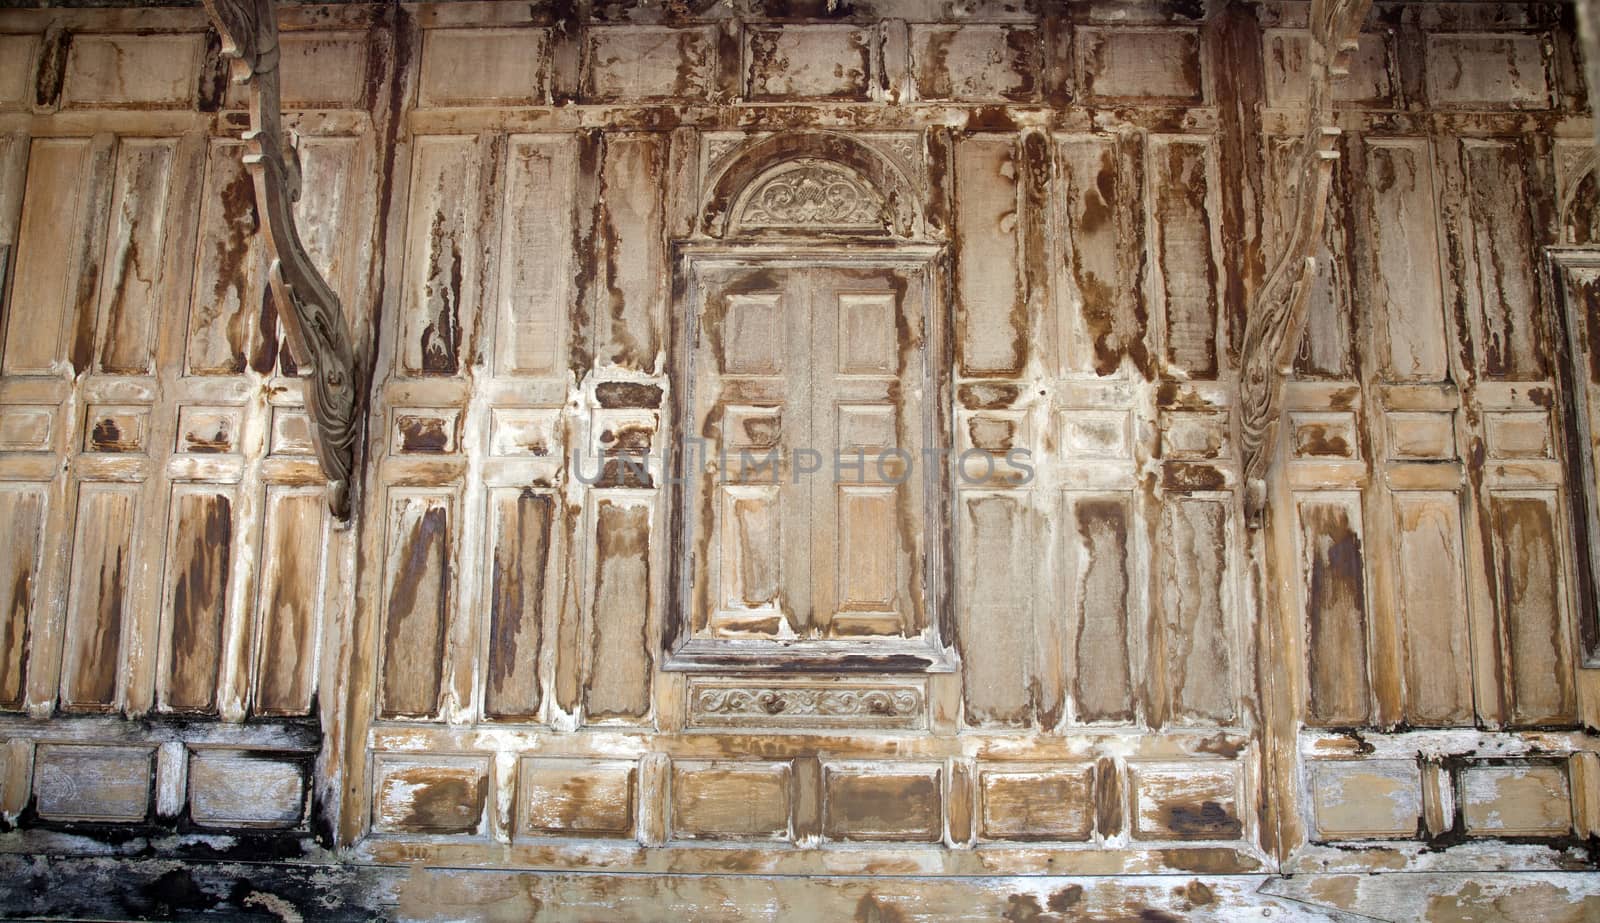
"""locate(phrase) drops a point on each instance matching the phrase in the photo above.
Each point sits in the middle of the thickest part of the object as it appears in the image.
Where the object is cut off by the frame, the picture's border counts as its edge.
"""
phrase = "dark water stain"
(623, 394)
(1203, 820)
(424, 435)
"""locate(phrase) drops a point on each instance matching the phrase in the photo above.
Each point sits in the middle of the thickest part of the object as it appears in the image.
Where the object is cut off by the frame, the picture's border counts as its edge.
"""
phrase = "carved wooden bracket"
(1278, 318)
(312, 316)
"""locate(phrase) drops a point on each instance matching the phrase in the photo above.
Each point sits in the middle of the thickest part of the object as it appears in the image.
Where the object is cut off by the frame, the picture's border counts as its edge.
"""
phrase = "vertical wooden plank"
(1101, 601)
(1407, 298)
(1530, 596)
(536, 253)
(229, 278)
(439, 255)
(1098, 302)
(1196, 588)
(1503, 288)
(101, 572)
(22, 508)
(632, 228)
(199, 553)
(288, 604)
(130, 299)
(43, 292)
(1433, 609)
(993, 619)
(621, 660)
(1185, 265)
(991, 312)
(418, 586)
(1334, 609)
(520, 529)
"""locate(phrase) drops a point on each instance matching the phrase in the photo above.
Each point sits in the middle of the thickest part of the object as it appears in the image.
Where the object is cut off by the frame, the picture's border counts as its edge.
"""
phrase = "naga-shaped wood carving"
(312, 316)
(1278, 318)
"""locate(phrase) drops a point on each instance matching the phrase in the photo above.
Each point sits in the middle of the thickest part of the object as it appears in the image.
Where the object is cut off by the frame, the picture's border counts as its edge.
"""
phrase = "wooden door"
(807, 483)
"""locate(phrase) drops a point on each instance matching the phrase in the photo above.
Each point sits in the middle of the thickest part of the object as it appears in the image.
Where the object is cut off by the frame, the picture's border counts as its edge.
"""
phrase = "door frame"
(935, 650)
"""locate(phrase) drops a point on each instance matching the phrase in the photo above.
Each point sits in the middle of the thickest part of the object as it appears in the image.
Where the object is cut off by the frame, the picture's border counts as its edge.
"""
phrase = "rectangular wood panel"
(1100, 601)
(290, 601)
(199, 564)
(521, 525)
(1187, 275)
(1403, 257)
(136, 254)
(993, 615)
(1037, 804)
(440, 248)
(576, 797)
(860, 803)
(434, 796)
(49, 284)
(1433, 609)
(726, 801)
(621, 660)
(1099, 304)
(22, 508)
(1334, 588)
(418, 585)
(1503, 284)
(536, 260)
(102, 568)
(632, 186)
(1530, 595)
(230, 273)
(992, 312)
(1197, 595)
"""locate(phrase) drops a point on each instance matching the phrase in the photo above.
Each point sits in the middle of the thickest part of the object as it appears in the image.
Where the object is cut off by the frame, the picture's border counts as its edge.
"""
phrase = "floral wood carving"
(813, 195)
(811, 705)
(312, 316)
(1278, 318)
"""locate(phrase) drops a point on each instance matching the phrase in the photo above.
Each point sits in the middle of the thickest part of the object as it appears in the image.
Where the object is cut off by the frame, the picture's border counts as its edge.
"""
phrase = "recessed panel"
(751, 335)
(1187, 802)
(208, 430)
(867, 335)
(868, 548)
(752, 548)
(1366, 799)
(432, 796)
(116, 429)
(866, 427)
(557, 797)
(1038, 804)
(870, 804)
(733, 801)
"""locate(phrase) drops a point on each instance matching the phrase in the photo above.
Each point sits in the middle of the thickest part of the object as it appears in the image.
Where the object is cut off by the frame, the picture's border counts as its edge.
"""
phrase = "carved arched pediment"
(811, 195)
(807, 183)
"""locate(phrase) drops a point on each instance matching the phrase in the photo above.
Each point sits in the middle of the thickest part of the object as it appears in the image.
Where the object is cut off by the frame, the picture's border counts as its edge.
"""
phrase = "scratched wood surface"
(572, 244)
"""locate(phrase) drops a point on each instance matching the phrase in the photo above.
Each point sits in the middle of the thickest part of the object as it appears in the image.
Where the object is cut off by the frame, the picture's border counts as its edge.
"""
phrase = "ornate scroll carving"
(722, 703)
(813, 195)
(1278, 318)
(312, 316)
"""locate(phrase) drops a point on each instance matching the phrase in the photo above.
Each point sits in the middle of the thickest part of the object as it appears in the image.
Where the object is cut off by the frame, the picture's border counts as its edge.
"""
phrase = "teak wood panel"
(1428, 514)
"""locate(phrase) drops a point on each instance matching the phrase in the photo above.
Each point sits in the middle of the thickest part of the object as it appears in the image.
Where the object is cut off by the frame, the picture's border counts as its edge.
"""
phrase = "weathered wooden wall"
(511, 202)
